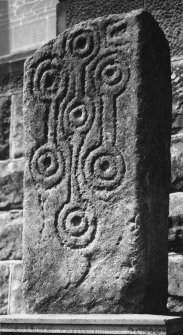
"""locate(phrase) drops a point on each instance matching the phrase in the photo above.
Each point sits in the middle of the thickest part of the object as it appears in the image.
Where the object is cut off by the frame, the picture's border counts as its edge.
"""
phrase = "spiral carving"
(82, 43)
(108, 74)
(78, 116)
(111, 75)
(105, 168)
(46, 79)
(47, 166)
(76, 226)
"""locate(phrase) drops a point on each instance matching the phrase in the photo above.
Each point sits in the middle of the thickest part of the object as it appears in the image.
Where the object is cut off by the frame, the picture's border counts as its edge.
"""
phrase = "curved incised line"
(97, 125)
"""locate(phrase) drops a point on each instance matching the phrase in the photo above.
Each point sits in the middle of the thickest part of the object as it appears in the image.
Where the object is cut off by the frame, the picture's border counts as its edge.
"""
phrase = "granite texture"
(4, 285)
(16, 139)
(175, 235)
(177, 95)
(169, 14)
(177, 163)
(11, 76)
(80, 10)
(175, 305)
(175, 275)
(11, 184)
(97, 104)
(11, 235)
(5, 112)
(16, 301)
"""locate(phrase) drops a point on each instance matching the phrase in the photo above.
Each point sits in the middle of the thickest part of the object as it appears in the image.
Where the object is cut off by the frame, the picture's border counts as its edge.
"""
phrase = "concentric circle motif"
(105, 168)
(82, 42)
(111, 74)
(78, 116)
(46, 79)
(76, 226)
(47, 166)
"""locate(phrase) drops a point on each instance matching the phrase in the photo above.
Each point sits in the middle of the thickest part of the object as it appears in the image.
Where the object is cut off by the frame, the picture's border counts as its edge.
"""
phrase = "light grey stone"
(175, 275)
(177, 94)
(4, 287)
(177, 163)
(175, 236)
(175, 305)
(16, 133)
(16, 301)
(11, 235)
(11, 184)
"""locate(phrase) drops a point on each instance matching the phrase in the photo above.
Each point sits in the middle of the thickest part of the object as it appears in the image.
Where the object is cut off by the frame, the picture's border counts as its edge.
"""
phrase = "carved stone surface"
(97, 131)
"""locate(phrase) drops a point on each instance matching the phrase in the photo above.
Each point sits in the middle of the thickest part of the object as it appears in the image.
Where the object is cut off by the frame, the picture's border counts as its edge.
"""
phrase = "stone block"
(4, 287)
(169, 15)
(44, 5)
(4, 33)
(30, 34)
(16, 138)
(51, 26)
(97, 136)
(175, 306)
(177, 163)
(175, 275)
(175, 236)
(177, 95)
(5, 39)
(3, 9)
(11, 235)
(11, 184)
(16, 301)
(60, 17)
(80, 10)
(5, 112)
(11, 76)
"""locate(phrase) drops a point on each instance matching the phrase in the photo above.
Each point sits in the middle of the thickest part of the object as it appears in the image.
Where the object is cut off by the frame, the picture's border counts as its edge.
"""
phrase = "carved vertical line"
(61, 109)
(46, 123)
(115, 119)
(102, 121)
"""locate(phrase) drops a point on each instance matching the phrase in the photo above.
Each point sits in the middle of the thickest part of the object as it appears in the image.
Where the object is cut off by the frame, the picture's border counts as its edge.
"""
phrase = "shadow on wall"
(4, 28)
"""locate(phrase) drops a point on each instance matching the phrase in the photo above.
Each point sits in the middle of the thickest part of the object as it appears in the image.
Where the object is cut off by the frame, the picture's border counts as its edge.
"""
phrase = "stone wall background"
(24, 26)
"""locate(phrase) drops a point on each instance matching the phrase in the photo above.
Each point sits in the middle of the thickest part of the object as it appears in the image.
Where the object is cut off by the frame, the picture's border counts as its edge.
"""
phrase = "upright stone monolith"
(97, 131)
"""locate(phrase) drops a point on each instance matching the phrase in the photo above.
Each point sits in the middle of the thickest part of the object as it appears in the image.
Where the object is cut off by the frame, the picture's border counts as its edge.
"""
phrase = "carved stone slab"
(97, 110)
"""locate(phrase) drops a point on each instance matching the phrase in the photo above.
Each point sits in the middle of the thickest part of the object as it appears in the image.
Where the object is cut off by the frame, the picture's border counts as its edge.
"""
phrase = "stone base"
(91, 324)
